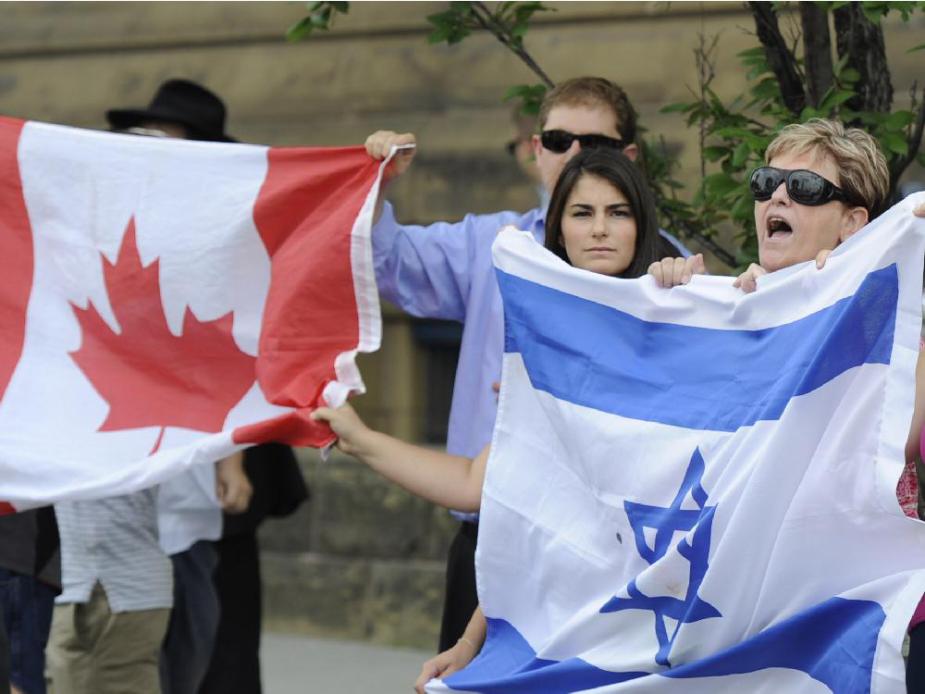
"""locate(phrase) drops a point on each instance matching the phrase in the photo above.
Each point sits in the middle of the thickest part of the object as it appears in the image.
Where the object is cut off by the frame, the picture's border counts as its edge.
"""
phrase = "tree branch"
(779, 56)
(705, 75)
(915, 142)
(861, 42)
(487, 21)
(817, 51)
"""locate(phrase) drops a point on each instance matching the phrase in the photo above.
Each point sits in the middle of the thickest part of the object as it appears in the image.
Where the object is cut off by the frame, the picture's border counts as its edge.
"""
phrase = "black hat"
(183, 102)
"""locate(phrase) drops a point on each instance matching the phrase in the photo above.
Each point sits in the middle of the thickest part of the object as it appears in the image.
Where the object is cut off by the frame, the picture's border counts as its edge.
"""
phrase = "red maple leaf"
(148, 375)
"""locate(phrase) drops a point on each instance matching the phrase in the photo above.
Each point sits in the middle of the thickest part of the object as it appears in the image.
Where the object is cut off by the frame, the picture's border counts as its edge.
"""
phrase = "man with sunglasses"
(444, 270)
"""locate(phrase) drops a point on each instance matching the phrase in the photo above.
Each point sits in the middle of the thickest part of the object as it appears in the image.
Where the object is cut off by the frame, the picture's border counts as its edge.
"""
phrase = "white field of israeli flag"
(693, 490)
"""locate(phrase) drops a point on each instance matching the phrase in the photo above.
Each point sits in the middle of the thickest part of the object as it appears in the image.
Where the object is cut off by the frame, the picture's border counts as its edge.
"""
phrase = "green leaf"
(872, 11)
(521, 90)
(895, 143)
(524, 10)
(809, 112)
(868, 118)
(437, 36)
(451, 26)
(756, 141)
(841, 64)
(715, 153)
(767, 88)
(834, 98)
(898, 120)
(320, 16)
(300, 29)
(720, 184)
(743, 208)
(756, 52)
(732, 132)
(741, 155)
(531, 96)
(916, 48)
(678, 108)
(849, 75)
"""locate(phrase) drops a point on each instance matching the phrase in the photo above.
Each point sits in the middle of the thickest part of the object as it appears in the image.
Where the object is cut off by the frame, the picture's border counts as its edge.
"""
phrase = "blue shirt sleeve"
(427, 270)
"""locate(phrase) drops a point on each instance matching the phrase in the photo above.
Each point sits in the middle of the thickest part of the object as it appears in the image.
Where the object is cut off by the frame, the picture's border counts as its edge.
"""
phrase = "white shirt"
(188, 509)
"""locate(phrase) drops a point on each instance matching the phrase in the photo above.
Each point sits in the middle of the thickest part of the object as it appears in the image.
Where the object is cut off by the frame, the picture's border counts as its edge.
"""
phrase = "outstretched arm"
(448, 480)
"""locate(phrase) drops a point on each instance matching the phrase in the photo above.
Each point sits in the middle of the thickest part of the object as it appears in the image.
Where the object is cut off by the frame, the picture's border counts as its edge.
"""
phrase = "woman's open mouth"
(777, 226)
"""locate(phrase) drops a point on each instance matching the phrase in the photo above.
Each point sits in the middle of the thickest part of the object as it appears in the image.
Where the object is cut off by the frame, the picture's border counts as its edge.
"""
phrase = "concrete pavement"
(301, 665)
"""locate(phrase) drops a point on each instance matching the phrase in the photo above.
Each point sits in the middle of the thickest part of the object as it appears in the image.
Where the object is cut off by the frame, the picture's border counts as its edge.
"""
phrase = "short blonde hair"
(862, 169)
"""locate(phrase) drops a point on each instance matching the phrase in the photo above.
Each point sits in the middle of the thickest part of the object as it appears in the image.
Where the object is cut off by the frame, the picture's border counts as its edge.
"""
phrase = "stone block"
(404, 602)
(354, 512)
(395, 603)
(314, 594)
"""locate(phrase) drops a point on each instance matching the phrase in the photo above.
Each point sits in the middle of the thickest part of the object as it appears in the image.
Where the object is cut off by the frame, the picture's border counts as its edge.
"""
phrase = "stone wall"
(361, 560)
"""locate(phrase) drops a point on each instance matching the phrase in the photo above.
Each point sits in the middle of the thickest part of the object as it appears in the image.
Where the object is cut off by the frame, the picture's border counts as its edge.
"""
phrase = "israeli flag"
(693, 490)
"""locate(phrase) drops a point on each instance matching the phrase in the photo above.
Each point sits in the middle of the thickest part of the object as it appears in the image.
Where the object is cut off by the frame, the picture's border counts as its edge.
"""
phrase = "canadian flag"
(165, 303)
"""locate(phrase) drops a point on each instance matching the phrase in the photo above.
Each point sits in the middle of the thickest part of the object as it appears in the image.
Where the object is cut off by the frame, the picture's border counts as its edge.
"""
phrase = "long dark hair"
(612, 166)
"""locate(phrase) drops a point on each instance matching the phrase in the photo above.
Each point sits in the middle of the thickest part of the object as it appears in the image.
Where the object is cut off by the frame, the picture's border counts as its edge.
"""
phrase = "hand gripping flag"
(693, 490)
(165, 302)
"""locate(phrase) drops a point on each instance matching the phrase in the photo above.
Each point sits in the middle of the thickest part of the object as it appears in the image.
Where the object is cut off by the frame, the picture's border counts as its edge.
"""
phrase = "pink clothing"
(907, 490)
(918, 617)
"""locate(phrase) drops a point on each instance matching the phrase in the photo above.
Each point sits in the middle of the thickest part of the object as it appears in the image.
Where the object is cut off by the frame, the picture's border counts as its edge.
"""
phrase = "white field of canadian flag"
(165, 303)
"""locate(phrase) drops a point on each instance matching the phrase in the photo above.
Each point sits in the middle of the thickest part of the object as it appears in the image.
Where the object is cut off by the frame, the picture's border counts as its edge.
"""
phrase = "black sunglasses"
(559, 141)
(803, 187)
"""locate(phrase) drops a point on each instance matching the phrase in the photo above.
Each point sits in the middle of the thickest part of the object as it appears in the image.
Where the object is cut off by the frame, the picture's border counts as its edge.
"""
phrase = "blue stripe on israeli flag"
(700, 378)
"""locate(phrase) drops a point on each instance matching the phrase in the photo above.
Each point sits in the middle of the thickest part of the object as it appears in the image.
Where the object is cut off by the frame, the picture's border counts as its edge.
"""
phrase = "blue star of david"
(696, 549)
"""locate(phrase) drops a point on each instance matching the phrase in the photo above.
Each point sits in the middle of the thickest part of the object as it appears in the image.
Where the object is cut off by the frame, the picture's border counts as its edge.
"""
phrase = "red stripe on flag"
(304, 213)
(16, 253)
(6, 509)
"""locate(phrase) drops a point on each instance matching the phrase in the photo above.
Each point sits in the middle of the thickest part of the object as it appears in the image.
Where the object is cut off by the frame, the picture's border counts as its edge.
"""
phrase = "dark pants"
(461, 598)
(27, 605)
(4, 661)
(235, 666)
(915, 664)
(193, 620)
